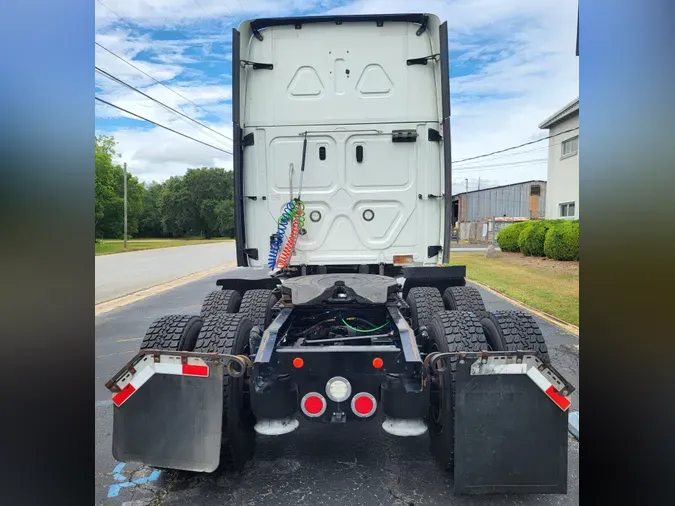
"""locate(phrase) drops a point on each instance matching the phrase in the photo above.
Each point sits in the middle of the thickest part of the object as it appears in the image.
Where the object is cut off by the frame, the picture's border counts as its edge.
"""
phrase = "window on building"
(535, 189)
(570, 147)
(567, 209)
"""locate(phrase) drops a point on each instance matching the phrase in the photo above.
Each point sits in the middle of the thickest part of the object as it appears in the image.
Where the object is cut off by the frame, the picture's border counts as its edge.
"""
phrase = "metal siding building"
(519, 200)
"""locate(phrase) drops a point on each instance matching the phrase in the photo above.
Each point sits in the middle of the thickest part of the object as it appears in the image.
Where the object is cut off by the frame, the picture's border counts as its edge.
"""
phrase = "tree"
(150, 224)
(109, 193)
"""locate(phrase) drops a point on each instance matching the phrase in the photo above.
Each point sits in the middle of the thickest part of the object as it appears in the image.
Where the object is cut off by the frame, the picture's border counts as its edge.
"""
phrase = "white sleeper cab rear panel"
(346, 87)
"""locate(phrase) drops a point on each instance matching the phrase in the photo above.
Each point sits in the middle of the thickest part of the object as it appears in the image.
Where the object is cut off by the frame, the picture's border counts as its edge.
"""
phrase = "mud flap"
(170, 419)
(510, 426)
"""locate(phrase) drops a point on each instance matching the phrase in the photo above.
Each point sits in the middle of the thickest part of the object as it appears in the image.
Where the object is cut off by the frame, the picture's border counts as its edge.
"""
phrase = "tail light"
(364, 404)
(313, 404)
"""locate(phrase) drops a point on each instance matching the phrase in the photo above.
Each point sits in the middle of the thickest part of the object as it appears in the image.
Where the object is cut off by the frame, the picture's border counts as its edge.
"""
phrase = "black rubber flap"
(509, 436)
(172, 422)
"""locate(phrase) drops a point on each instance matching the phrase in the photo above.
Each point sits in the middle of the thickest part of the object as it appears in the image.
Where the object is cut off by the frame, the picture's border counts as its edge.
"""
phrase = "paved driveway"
(124, 273)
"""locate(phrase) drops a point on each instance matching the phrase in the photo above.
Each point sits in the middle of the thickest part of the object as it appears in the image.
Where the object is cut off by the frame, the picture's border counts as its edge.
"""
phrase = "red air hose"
(298, 220)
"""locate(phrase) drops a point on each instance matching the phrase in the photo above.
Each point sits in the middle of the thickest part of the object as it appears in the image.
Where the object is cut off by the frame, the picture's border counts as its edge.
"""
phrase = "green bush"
(562, 241)
(532, 238)
(507, 238)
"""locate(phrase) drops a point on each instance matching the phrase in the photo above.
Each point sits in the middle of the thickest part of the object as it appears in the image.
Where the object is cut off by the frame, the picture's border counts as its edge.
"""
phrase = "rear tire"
(221, 301)
(424, 302)
(514, 331)
(463, 298)
(229, 333)
(449, 331)
(257, 306)
(173, 333)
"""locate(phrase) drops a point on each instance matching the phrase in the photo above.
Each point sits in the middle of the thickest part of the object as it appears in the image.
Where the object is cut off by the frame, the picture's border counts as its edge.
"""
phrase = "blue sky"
(512, 63)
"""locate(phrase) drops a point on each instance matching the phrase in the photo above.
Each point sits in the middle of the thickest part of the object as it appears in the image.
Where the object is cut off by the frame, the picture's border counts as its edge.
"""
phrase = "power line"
(161, 126)
(507, 164)
(118, 80)
(514, 147)
(158, 49)
(158, 82)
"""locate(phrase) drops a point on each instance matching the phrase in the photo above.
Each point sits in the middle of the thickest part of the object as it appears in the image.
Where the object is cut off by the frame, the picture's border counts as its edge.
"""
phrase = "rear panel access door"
(348, 87)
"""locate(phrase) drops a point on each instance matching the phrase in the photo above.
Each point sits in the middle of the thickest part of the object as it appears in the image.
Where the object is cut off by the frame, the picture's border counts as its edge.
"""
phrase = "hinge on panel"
(432, 251)
(252, 253)
(257, 34)
(423, 26)
(404, 136)
(435, 135)
(247, 140)
(423, 60)
(256, 65)
(252, 197)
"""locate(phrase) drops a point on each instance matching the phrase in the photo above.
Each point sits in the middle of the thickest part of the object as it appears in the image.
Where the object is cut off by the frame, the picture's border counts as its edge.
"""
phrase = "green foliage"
(507, 238)
(198, 204)
(532, 238)
(562, 241)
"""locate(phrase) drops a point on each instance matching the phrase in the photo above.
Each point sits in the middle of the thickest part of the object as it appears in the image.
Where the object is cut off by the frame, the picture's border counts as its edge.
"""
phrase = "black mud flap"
(510, 426)
(171, 419)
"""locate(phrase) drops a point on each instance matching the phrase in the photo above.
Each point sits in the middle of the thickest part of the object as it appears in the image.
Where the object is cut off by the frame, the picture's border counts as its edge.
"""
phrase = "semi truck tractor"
(344, 308)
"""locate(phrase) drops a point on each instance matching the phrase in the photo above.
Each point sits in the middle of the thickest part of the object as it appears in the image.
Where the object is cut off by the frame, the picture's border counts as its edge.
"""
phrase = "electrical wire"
(158, 49)
(118, 80)
(364, 330)
(161, 126)
(162, 84)
(514, 147)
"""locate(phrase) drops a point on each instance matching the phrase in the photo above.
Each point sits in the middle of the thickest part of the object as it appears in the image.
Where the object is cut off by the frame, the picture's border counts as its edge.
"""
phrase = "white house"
(562, 189)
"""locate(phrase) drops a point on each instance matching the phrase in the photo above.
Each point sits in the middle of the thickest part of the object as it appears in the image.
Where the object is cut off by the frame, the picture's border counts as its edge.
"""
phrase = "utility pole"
(125, 205)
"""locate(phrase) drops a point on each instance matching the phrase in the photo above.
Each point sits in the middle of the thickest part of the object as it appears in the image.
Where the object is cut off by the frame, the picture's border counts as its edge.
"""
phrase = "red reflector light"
(123, 395)
(378, 363)
(364, 404)
(562, 402)
(195, 370)
(313, 404)
(298, 362)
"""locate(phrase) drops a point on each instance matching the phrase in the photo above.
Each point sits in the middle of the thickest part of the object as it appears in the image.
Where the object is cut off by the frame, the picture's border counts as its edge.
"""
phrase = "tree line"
(198, 204)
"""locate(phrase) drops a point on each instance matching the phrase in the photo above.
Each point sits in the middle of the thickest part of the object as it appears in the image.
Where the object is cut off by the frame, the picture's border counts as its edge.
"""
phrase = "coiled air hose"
(294, 212)
(297, 224)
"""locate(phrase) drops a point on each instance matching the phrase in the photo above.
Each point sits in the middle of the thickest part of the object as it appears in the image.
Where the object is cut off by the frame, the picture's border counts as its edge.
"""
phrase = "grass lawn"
(110, 246)
(547, 285)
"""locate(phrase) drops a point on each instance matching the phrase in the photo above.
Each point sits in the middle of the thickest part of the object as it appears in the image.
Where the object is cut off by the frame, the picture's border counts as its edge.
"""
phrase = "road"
(124, 273)
(314, 465)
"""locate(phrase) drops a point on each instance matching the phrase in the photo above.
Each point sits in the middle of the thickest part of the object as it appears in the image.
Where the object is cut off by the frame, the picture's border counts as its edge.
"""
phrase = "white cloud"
(523, 51)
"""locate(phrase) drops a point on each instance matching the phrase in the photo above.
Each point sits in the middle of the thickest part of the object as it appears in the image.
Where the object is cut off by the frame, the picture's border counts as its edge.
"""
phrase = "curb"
(566, 326)
(109, 305)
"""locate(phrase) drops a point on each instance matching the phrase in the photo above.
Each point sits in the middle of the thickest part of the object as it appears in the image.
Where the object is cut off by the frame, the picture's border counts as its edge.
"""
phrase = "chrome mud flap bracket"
(511, 415)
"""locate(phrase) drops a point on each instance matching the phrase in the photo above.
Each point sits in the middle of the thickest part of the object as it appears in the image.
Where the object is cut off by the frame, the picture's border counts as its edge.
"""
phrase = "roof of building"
(561, 115)
(502, 186)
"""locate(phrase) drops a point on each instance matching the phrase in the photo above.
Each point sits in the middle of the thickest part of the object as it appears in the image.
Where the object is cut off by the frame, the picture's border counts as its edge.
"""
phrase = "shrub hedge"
(555, 239)
(562, 241)
(531, 239)
(507, 238)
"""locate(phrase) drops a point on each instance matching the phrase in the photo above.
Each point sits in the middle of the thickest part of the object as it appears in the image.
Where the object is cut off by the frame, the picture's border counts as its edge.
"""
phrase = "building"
(480, 213)
(518, 200)
(563, 162)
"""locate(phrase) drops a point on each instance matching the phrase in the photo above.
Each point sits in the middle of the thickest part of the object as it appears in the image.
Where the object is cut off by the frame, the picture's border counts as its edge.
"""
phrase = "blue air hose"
(277, 239)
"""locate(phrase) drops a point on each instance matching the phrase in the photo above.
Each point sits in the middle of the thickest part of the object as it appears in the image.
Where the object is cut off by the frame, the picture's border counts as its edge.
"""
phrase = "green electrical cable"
(362, 330)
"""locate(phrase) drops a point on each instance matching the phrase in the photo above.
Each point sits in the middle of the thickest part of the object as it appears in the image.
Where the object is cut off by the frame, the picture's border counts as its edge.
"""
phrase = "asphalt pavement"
(315, 465)
(124, 273)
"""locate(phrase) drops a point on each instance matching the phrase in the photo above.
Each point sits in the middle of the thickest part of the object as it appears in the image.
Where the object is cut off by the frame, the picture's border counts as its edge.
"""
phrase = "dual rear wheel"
(223, 327)
(457, 321)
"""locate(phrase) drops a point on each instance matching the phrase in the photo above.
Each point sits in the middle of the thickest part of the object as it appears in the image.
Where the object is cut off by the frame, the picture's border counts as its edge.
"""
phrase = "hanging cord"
(295, 213)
